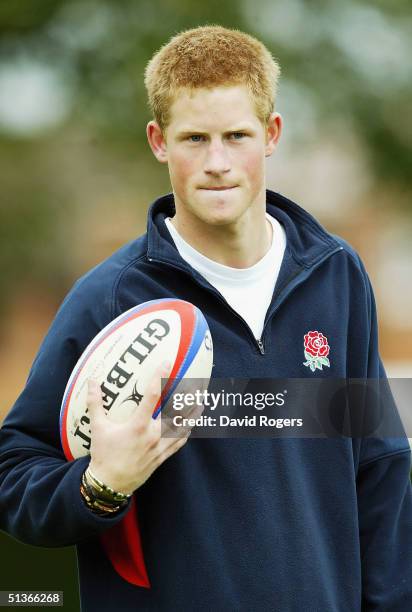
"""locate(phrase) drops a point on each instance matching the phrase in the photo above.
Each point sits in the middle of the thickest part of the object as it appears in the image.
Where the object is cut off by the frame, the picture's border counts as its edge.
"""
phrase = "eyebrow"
(187, 131)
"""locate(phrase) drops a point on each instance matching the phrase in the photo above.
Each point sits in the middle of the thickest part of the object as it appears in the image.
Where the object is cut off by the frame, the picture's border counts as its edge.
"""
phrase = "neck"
(238, 245)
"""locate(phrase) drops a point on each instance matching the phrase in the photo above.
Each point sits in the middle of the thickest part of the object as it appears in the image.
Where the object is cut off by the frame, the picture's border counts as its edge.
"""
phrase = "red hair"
(211, 56)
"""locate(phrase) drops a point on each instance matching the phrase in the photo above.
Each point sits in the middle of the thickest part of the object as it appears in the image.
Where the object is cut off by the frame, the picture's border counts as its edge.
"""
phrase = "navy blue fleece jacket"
(227, 524)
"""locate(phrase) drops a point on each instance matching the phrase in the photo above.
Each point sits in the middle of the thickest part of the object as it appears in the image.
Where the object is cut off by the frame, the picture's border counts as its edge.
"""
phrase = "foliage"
(352, 59)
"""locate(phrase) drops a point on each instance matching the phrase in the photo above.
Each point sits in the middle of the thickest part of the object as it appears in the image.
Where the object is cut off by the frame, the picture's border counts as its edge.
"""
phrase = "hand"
(124, 455)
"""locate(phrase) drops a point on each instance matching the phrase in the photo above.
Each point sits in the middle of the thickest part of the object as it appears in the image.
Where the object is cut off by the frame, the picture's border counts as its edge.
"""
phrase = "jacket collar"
(307, 241)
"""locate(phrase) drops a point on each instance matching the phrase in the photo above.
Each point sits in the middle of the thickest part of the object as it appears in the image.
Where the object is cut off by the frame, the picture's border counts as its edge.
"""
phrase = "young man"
(226, 524)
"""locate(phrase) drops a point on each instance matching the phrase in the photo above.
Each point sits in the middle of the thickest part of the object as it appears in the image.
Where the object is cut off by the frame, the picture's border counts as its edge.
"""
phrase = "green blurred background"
(77, 175)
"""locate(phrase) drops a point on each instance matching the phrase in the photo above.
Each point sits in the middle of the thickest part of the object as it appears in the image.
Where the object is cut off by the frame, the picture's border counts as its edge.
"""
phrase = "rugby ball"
(123, 357)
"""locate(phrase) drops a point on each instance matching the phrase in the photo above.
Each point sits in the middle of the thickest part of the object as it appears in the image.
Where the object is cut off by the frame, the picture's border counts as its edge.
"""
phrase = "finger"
(190, 414)
(193, 412)
(94, 399)
(167, 427)
(157, 426)
(190, 406)
(190, 424)
(169, 448)
(181, 427)
(153, 391)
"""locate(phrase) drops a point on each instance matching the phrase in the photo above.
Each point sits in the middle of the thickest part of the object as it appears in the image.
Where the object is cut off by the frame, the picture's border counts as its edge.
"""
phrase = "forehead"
(208, 108)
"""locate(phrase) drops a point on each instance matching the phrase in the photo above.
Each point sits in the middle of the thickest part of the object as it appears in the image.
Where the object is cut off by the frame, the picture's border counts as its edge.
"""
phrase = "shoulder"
(92, 297)
(354, 260)
(348, 250)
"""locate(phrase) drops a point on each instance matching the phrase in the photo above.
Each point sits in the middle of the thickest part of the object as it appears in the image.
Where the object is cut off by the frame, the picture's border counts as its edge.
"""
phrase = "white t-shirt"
(248, 290)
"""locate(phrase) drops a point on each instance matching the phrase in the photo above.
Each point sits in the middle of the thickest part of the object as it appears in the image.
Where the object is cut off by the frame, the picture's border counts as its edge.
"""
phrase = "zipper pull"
(261, 347)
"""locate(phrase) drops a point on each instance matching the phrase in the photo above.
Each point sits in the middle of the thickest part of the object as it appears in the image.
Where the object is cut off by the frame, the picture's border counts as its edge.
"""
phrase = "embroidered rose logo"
(316, 350)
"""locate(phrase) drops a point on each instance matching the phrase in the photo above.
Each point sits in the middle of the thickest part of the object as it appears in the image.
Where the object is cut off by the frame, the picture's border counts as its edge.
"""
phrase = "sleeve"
(384, 505)
(40, 501)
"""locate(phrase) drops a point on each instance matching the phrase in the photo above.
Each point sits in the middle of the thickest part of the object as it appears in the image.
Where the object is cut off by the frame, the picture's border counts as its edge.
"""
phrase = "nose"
(217, 159)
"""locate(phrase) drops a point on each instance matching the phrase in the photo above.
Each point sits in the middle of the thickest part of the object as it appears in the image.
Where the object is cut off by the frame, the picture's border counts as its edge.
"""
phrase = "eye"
(195, 138)
(237, 135)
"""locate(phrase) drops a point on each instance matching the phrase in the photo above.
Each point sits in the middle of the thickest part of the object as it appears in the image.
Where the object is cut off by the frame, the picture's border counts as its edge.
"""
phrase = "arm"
(40, 501)
(385, 529)
(384, 506)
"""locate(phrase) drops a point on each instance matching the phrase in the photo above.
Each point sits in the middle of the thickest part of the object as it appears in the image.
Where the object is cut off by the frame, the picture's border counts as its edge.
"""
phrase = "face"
(215, 147)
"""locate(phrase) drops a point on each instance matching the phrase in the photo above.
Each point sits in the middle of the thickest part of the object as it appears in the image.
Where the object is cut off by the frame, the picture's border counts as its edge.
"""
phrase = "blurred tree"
(352, 59)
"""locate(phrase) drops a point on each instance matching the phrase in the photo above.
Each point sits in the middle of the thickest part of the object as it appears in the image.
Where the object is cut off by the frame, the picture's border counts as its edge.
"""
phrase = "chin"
(220, 217)
(219, 221)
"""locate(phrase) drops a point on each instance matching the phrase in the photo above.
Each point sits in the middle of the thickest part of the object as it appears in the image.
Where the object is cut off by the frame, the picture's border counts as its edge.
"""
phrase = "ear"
(157, 141)
(273, 131)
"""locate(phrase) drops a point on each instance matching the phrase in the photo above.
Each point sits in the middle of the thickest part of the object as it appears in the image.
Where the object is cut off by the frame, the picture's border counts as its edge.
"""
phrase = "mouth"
(221, 188)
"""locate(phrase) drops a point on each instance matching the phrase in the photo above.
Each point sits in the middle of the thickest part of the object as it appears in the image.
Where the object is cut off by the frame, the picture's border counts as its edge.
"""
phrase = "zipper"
(257, 342)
